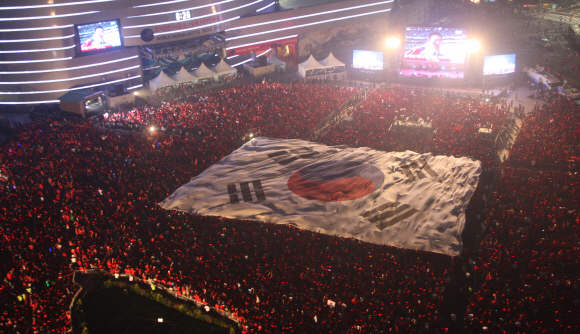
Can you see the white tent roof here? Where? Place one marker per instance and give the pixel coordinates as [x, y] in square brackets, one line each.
[311, 63]
[203, 72]
[274, 60]
[183, 76]
[223, 67]
[331, 61]
[159, 81]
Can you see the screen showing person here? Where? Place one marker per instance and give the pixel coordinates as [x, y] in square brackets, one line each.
[368, 60]
[440, 45]
[99, 35]
[499, 64]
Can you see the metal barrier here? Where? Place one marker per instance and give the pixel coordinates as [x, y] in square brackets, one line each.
[126, 278]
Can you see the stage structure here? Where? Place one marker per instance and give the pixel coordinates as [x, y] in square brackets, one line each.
[412, 123]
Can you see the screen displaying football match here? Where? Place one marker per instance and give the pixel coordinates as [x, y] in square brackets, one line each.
[99, 36]
[435, 44]
[499, 64]
[368, 60]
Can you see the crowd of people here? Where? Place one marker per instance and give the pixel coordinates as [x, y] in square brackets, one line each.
[274, 110]
[77, 195]
[550, 135]
[529, 256]
[455, 121]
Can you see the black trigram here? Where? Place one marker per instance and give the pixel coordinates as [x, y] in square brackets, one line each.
[284, 157]
[246, 192]
[417, 168]
[388, 214]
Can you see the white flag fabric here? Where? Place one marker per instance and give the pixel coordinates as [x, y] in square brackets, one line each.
[402, 199]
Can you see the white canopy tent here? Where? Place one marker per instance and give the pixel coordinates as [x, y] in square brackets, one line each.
[310, 67]
[183, 76]
[162, 80]
[224, 70]
[280, 65]
[203, 72]
[333, 65]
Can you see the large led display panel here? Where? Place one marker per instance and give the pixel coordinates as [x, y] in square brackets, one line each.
[499, 64]
[368, 60]
[435, 45]
[99, 36]
[434, 52]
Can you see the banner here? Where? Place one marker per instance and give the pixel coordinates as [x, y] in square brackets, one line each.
[259, 47]
[402, 199]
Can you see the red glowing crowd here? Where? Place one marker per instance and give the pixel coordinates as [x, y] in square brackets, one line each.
[77, 195]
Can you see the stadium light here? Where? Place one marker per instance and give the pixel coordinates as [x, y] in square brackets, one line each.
[159, 319]
[393, 42]
[152, 129]
[472, 45]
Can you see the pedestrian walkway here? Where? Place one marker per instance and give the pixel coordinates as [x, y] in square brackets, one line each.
[507, 137]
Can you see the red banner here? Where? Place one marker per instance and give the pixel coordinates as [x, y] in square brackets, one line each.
[258, 47]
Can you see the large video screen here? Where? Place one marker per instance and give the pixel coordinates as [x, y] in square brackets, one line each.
[99, 36]
[435, 44]
[499, 64]
[434, 52]
[368, 60]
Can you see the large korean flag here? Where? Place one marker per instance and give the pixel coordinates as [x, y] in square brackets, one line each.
[402, 199]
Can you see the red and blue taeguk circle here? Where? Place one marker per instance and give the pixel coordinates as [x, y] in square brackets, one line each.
[336, 181]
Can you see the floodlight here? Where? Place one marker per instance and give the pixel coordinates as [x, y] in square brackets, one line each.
[472, 45]
[393, 42]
